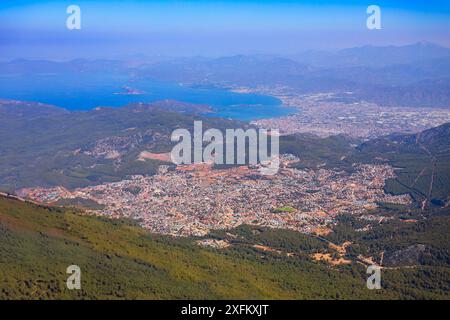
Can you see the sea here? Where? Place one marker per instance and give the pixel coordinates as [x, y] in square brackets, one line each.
[88, 91]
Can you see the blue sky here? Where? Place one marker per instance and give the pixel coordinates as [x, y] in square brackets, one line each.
[36, 29]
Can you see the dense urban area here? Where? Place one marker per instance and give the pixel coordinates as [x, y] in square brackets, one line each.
[192, 200]
[327, 114]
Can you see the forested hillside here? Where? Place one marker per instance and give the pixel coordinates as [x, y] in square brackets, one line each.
[120, 260]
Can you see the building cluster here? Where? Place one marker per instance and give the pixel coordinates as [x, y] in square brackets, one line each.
[327, 114]
[192, 201]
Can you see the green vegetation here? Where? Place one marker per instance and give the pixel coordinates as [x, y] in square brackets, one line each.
[423, 160]
[120, 260]
[284, 209]
[317, 152]
[80, 203]
[49, 146]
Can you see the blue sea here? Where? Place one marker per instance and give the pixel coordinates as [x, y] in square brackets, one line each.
[87, 91]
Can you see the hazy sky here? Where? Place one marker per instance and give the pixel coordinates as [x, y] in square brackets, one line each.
[37, 29]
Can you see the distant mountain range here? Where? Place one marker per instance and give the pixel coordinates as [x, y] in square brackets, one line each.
[412, 75]
[374, 56]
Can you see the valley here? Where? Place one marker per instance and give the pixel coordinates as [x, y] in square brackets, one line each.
[86, 176]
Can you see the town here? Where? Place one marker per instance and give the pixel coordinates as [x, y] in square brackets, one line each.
[192, 200]
[327, 114]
